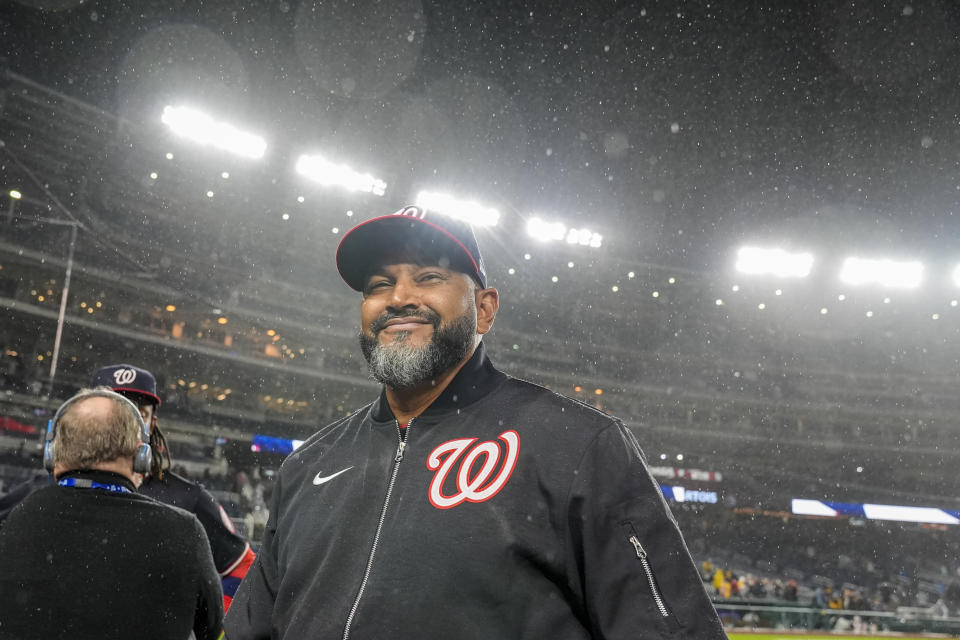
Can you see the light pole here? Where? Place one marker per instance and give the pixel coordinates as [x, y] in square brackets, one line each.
[63, 300]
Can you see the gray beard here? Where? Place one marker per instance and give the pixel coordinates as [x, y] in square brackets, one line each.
[402, 365]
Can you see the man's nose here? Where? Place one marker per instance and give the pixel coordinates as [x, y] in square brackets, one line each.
[404, 295]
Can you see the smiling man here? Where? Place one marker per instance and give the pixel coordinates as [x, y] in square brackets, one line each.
[462, 503]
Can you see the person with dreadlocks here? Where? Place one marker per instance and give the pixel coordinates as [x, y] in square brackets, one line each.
[231, 553]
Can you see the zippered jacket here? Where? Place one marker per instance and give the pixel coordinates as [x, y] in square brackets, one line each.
[504, 511]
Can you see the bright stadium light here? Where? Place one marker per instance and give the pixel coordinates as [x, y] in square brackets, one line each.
[776, 262]
[466, 210]
[204, 130]
[546, 231]
[557, 231]
[585, 238]
[330, 174]
[887, 273]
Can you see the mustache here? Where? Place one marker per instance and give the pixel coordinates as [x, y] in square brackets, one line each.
[380, 323]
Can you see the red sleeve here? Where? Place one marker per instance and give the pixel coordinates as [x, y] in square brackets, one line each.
[235, 575]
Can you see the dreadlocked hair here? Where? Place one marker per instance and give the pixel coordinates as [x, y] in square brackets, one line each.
[160, 453]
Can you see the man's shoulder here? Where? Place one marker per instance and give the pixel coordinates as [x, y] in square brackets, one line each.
[537, 400]
[173, 514]
[331, 430]
[172, 483]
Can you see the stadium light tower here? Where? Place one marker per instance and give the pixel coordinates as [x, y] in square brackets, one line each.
[557, 231]
[466, 210]
[775, 262]
[330, 174]
[884, 272]
[204, 130]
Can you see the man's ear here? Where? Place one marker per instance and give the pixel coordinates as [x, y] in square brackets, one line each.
[488, 303]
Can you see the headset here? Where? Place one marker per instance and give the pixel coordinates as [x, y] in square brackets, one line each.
[143, 456]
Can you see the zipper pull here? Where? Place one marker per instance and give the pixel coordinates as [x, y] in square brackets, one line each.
[400, 449]
[638, 548]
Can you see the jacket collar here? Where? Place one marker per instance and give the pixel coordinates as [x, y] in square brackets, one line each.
[477, 378]
[106, 477]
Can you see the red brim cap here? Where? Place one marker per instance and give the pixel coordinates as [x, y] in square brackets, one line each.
[409, 230]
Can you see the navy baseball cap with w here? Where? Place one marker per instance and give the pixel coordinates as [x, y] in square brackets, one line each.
[411, 229]
[126, 378]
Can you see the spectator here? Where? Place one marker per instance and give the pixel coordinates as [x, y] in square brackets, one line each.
[89, 557]
[231, 553]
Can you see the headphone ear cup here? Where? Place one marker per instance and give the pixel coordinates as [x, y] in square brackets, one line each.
[142, 459]
[48, 456]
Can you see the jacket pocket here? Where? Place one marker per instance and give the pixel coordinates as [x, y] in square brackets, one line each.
[642, 556]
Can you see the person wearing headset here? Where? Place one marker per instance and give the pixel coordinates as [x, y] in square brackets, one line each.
[231, 553]
[88, 557]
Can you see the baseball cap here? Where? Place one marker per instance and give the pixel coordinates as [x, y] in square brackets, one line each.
[126, 377]
[409, 229]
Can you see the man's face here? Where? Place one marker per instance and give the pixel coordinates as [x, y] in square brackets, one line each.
[147, 407]
[417, 322]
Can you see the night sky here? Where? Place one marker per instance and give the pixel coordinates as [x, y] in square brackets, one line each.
[678, 130]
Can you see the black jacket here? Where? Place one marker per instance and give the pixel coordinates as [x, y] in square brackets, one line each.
[94, 563]
[508, 512]
[227, 545]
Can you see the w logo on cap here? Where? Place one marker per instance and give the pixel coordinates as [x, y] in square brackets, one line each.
[413, 212]
[124, 376]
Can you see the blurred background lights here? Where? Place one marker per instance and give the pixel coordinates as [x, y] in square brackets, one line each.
[956, 270]
[16, 195]
[469, 211]
[202, 129]
[776, 262]
[332, 174]
[884, 272]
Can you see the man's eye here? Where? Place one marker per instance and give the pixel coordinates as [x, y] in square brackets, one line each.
[377, 285]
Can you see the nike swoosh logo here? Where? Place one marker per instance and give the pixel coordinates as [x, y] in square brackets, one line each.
[320, 480]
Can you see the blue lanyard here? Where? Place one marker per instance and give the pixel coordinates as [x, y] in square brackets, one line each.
[81, 483]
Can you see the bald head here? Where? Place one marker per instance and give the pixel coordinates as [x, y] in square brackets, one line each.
[95, 430]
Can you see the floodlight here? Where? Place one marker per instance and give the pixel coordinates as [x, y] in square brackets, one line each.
[776, 262]
[544, 231]
[584, 237]
[885, 272]
[466, 210]
[203, 129]
[330, 174]
[557, 231]
[16, 195]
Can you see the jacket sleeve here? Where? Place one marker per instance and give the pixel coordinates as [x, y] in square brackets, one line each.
[634, 571]
[228, 547]
[208, 619]
[250, 616]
